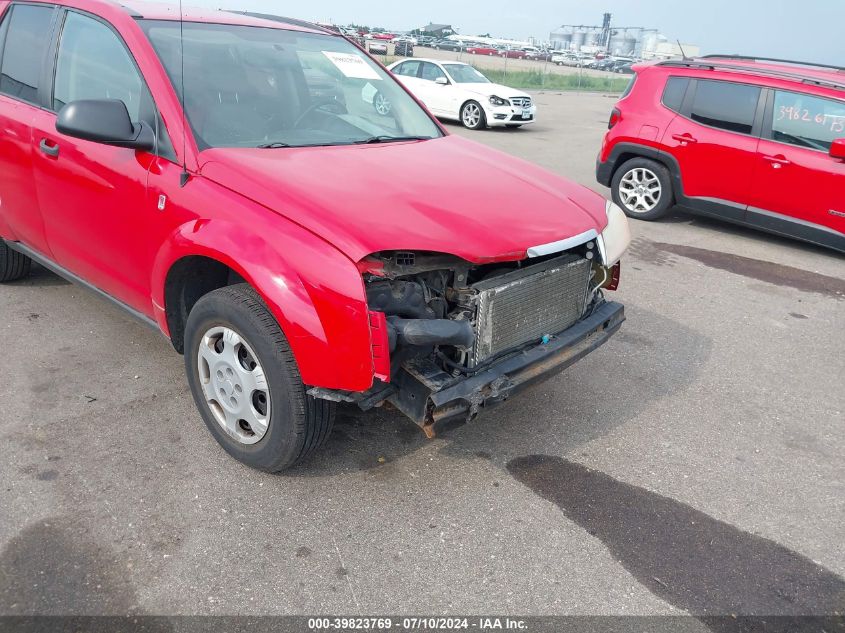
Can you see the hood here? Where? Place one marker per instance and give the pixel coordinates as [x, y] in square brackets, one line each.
[446, 195]
[494, 89]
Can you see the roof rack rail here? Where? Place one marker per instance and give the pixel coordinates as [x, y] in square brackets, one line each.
[755, 58]
[704, 64]
[280, 18]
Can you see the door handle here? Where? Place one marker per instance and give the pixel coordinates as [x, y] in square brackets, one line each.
[49, 150]
[777, 161]
[684, 138]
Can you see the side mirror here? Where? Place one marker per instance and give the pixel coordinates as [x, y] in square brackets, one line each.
[442, 81]
[104, 121]
[837, 149]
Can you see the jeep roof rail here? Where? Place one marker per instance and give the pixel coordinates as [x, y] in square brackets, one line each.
[280, 18]
[755, 58]
[704, 64]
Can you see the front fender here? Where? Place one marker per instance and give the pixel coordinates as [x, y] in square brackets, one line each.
[315, 292]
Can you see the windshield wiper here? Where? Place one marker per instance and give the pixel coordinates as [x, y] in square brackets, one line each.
[391, 139]
[274, 145]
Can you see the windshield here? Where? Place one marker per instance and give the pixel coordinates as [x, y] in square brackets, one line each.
[463, 74]
[264, 87]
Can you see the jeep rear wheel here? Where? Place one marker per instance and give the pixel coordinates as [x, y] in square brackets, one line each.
[13, 265]
[643, 189]
[246, 384]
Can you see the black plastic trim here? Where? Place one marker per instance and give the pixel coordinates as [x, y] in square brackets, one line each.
[464, 398]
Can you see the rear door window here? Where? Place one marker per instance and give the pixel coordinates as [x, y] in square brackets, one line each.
[673, 94]
[27, 36]
[725, 105]
[807, 121]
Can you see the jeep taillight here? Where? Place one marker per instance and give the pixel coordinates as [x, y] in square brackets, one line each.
[615, 117]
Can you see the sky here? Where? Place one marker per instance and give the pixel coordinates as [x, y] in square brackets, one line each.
[805, 30]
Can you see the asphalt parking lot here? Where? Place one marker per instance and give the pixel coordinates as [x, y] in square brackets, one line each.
[692, 465]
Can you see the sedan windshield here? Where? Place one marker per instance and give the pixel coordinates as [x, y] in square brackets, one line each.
[463, 74]
[265, 87]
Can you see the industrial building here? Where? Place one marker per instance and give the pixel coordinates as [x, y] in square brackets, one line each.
[622, 41]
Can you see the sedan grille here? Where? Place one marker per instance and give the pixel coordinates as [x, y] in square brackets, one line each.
[525, 305]
[521, 102]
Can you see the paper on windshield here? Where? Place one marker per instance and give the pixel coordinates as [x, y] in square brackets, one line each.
[352, 65]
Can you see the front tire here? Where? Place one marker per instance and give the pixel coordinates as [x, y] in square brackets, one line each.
[13, 265]
[246, 383]
[472, 116]
[643, 189]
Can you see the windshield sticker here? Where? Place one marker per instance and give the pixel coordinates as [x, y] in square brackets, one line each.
[351, 65]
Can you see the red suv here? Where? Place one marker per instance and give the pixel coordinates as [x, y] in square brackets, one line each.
[226, 180]
[756, 142]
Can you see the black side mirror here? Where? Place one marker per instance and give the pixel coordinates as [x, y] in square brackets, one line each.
[104, 121]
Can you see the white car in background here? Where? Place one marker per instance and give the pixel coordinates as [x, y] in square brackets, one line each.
[457, 91]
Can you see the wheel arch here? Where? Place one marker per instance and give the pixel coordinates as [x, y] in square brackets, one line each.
[320, 306]
[624, 152]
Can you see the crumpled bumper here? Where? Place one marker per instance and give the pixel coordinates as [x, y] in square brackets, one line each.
[436, 400]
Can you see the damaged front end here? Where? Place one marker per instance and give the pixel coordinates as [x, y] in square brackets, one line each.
[451, 337]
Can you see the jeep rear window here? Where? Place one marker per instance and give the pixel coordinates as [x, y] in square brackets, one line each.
[253, 86]
[725, 105]
[673, 94]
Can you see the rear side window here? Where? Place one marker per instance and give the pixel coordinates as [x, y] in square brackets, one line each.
[725, 105]
[27, 35]
[630, 87]
[673, 94]
[807, 121]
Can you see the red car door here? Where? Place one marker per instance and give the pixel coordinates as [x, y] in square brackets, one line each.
[94, 198]
[715, 144]
[20, 78]
[798, 187]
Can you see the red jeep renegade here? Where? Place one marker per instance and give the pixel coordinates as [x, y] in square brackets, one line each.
[756, 142]
[227, 180]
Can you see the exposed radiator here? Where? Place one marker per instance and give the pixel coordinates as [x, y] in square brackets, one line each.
[527, 304]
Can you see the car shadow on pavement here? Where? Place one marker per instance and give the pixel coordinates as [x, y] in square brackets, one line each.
[566, 412]
[687, 558]
[57, 567]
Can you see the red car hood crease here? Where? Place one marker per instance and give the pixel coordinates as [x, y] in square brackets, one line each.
[447, 195]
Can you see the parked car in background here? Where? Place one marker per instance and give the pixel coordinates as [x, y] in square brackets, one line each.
[459, 92]
[483, 50]
[403, 48]
[512, 53]
[625, 68]
[755, 142]
[450, 45]
[377, 47]
[296, 255]
[566, 59]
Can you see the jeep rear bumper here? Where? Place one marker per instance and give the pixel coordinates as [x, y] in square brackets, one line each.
[436, 400]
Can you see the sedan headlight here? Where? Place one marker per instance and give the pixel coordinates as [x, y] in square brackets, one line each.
[614, 240]
[498, 101]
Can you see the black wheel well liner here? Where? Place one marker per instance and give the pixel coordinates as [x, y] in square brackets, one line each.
[188, 280]
[624, 152]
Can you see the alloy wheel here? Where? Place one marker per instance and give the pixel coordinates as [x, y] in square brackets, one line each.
[234, 385]
[382, 104]
[640, 190]
[471, 115]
